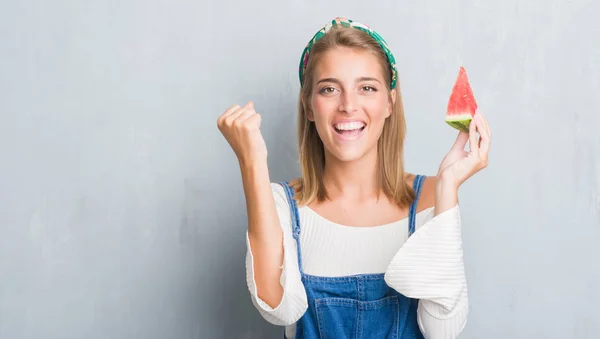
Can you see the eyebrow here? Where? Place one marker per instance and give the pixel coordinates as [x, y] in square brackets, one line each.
[361, 79]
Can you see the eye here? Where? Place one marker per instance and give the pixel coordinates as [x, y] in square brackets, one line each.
[327, 90]
[368, 88]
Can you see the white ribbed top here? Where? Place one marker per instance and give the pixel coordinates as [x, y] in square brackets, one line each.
[428, 266]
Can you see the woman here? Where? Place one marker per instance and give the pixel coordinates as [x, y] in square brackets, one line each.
[356, 247]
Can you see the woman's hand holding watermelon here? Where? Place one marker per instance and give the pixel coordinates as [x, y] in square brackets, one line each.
[462, 113]
[459, 165]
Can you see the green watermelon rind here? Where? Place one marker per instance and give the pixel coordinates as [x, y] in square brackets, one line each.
[462, 125]
[460, 121]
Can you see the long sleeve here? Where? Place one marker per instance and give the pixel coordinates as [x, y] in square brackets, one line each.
[429, 267]
[294, 302]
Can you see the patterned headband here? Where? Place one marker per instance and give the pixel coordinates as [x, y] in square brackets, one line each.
[348, 23]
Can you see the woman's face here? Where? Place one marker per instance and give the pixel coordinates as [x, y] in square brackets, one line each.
[349, 102]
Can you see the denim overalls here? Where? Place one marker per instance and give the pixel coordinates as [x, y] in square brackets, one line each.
[358, 306]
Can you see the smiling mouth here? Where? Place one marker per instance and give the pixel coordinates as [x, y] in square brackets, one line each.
[349, 131]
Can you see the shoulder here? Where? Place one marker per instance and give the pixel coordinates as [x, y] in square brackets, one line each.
[427, 196]
[279, 193]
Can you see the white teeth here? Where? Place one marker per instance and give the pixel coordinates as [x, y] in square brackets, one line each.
[349, 126]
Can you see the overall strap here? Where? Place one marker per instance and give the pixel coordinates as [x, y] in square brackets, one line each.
[289, 192]
[412, 212]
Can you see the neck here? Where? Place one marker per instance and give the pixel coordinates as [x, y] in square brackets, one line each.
[354, 179]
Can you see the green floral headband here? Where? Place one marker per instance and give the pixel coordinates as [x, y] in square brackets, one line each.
[349, 23]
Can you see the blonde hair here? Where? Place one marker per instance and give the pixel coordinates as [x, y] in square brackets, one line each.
[390, 146]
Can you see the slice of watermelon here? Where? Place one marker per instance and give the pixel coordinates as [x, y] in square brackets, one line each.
[462, 105]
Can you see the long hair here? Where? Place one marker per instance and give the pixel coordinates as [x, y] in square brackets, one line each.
[390, 146]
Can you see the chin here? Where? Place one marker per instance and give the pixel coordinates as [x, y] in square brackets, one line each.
[348, 155]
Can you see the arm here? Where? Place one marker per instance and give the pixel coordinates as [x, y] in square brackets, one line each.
[265, 236]
[278, 293]
[430, 266]
[293, 302]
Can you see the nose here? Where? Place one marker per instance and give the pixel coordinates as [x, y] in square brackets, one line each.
[348, 102]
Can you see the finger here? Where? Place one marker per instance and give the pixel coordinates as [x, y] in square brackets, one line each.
[461, 141]
[225, 114]
[473, 146]
[480, 124]
[250, 112]
[484, 148]
[231, 118]
[244, 116]
[485, 139]
[230, 110]
[254, 119]
[484, 126]
[483, 121]
[487, 127]
[485, 133]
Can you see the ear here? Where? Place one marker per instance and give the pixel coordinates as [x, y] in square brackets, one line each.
[393, 97]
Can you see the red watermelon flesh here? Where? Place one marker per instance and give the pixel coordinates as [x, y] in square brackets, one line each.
[462, 105]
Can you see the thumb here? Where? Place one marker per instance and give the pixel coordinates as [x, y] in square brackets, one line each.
[461, 141]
